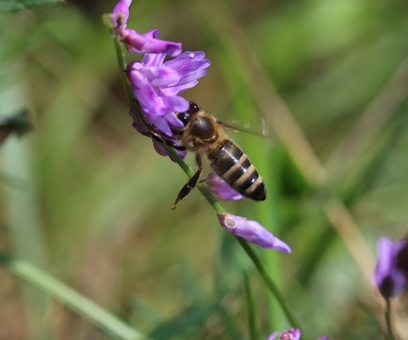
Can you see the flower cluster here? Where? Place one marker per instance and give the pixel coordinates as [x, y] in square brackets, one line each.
[291, 334]
[157, 83]
[391, 272]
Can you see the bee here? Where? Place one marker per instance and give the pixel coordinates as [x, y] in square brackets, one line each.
[205, 135]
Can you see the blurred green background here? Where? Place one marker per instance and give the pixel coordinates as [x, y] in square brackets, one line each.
[86, 198]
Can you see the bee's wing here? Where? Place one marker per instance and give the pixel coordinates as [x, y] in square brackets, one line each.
[262, 131]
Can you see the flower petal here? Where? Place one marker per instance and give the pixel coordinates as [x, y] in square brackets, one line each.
[273, 335]
[146, 43]
[252, 231]
[291, 334]
[153, 59]
[220, 189]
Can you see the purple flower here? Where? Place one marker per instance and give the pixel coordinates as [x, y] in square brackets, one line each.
[156, 84]
[220, 189]
[252, 231]
[392, 266]
[291, 334]
[136, 42]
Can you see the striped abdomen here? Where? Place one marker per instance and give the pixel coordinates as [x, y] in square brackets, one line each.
[234, 167]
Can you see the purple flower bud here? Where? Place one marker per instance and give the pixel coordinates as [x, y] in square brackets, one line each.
[252, 231]
[120, 14]
[220, 189]
[391, 270]
[136, 42]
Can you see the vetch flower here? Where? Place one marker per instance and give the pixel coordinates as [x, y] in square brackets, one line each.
[391, 271]
[156, 84]
[252, 231]
[220, 189]
[136, 42]
[291, 334]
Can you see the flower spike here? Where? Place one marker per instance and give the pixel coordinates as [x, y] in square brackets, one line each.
[155, 82]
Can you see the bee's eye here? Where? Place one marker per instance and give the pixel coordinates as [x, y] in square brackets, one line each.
[184, 117]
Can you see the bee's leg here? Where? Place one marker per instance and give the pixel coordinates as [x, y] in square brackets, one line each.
[167, 142]
[190, 184]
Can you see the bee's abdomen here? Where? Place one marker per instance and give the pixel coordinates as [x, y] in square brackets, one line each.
[234, 167]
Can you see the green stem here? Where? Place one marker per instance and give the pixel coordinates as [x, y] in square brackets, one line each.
[252, 320]
[390, 333]
[269, 282]
[67, 296]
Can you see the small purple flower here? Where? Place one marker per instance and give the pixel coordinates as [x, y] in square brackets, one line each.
[252, 231]
[392, 266]
[136, 42]
[220, 189]
[291, 334]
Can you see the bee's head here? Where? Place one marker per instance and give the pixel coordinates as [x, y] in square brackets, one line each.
[185, 116]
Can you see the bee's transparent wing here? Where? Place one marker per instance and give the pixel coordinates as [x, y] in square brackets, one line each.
[261, 129]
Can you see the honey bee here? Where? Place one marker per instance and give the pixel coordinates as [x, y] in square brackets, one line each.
[205, 135]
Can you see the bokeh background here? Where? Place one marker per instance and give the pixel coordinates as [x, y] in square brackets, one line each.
[86, 198]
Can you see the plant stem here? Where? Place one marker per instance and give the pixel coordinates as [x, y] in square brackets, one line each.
[269, 282]
[252, 320]
[390, 334]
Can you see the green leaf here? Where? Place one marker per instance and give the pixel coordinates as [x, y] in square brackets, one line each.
[12, 6]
